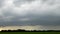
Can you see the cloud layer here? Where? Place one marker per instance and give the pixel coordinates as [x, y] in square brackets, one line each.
[36, 27]
[30, 12]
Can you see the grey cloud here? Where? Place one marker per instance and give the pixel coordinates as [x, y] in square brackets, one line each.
[19, 2]
[41, 12]
[40, 20]
[1, 3]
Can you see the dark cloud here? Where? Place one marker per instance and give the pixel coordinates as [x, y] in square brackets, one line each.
[38, 20]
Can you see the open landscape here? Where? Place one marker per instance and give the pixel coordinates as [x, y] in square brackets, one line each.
[29, 16]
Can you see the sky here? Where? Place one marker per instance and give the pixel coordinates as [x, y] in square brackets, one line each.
[45, 13]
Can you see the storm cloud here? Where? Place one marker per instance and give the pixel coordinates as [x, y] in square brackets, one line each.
[30, 12]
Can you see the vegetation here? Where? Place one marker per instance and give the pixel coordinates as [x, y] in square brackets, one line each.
[29, 32]
[19, 31]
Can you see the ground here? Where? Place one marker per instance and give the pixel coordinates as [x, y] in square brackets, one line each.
[29, 32]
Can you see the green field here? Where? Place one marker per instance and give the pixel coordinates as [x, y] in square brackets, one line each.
[29, 32]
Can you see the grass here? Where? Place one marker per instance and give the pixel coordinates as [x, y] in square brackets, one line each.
[29, 32]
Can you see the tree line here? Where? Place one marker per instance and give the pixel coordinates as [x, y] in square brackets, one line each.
[22, 30]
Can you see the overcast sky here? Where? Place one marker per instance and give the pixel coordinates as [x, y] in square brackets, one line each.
[30, 12]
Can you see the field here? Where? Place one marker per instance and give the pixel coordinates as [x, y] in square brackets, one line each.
[29, 32]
